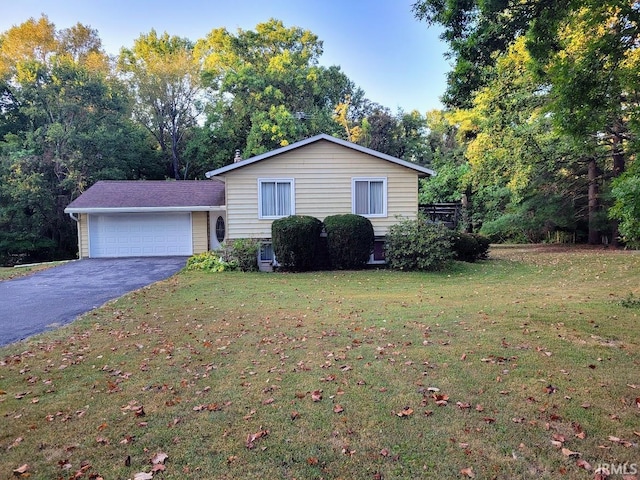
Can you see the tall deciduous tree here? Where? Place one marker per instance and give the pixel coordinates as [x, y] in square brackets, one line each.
[164, 77]
[270, 86]
[584, 53]
[65, 125]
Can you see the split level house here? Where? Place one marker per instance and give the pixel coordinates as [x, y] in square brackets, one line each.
[318, 176]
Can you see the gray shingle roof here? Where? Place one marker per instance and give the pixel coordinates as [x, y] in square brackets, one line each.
[148, 194]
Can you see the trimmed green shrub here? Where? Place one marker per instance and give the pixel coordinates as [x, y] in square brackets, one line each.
[349, 240]
[418, 245]
[465, 247]
[483, 246]
[211, 262]
[295, 241]
[469, 247]
[242, 252]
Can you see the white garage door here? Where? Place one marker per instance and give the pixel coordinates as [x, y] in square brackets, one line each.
[140, 235]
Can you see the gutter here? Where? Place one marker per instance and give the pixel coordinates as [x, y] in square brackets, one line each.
[194, 208]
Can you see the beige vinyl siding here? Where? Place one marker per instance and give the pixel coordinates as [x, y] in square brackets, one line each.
[323, 172]
[199, 231]
[83, 235]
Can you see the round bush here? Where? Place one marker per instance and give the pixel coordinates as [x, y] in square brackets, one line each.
[469, 247]
[295, 241]
[465, 247]
[483, 245]
[418, 245]
[349, 240]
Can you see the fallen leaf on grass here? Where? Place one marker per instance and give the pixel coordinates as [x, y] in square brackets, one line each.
[407, 411]
[143, 476]
[22, 470]
[159, 458]
[583, 464]
[338, 408]
[346, 450]
[569, 453]
[252, 438]
[316, 395]
[83, 469]
[15, 443]
[559, 438]
[312, 461]
[467, 472]
[624, 443]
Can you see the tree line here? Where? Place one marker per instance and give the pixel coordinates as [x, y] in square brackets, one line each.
[542, 117]
[166, 107]
[538, 136]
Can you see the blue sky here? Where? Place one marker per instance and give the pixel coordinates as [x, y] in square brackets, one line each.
[397, 60]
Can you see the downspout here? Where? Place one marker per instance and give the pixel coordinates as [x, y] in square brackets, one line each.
[77, 220]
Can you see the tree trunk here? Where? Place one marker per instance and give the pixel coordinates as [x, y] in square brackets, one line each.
[594, 236]
[618, 169]
[175, 156]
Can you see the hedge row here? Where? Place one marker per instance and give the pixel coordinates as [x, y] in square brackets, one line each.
[347, 243]
[298, 245]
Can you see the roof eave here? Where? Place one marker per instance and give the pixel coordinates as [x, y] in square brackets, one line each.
[94, 210]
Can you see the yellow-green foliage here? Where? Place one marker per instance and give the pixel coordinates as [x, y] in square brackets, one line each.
[209, 261]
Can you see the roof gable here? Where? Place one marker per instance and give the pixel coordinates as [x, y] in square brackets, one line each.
[423, 171]
[143, 195]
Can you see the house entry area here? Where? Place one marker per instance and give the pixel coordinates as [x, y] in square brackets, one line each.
[140, 234]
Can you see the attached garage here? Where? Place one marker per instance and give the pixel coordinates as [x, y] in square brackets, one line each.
[147, 218]
[140, 234]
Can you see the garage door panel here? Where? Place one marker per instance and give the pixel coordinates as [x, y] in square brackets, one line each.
[140, 234]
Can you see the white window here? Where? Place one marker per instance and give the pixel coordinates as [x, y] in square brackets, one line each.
[369, 196]
[276, 197]
[266, 253]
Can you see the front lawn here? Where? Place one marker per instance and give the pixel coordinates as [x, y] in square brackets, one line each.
[525, 365]
[7, 273]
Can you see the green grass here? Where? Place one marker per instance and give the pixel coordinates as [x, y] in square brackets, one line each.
[7, 273]
[535, 342]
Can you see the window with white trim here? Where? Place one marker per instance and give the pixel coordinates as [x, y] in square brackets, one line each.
[369, 196]
[276, 197]
[266, 252]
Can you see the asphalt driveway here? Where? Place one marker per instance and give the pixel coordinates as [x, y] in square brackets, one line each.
[58, 295]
